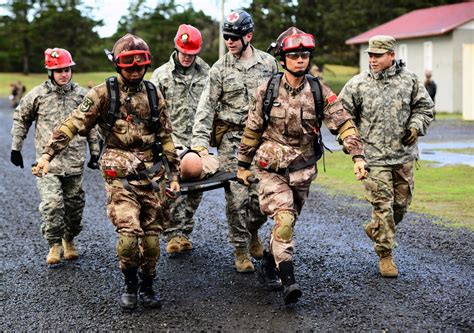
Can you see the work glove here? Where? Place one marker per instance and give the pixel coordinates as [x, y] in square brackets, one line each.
[93, 162]
[361, 169]
[243, 176]
[410, 136]
[174, 189]
[41, 168]
[16, 158]
[201, 150]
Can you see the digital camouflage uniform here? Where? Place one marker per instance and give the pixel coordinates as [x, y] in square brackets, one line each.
[287, 141]
[181, 91]
[132, 205]
[62, 197]
[228, 92]
[383, 106]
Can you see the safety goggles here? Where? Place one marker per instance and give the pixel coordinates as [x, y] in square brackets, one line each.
[231, 37]
[297, 41]
[133, 58]
[296, 55]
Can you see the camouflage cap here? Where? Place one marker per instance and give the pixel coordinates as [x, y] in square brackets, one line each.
[381, 44]
[129, 42]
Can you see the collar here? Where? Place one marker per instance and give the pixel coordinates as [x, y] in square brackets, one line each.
[293, 91]
[63, 89]
[393, 70]
[252, 61]
[174, 66]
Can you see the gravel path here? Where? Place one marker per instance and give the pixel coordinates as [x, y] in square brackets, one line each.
[336, 268]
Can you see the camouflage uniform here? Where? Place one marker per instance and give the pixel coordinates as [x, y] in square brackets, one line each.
[287, 141]
[62, 197]
[228, 92]
[181, 91]
[383, 105]
[132, 205]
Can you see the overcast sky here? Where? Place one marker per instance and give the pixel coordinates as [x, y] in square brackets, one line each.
[111, 10]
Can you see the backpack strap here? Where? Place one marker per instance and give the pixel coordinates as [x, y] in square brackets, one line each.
[114, 100]
[270, 95]
[318, 97]
[153, 102]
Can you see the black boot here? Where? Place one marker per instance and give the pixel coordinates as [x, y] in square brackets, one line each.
[149, 298]
[291, 291]
[128, 300]
[267, 273]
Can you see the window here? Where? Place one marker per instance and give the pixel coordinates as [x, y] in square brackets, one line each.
[403, 52]
[428, 55]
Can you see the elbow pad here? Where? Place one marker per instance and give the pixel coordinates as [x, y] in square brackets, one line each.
[346, 129]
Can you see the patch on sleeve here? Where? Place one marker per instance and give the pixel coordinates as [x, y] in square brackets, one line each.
[331, 99]
[86, 104]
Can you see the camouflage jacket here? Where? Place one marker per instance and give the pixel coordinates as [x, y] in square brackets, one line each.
[292, 127]
[130, 141]
[182, 95]
[229, 90]
[48, 105]
[383, 105]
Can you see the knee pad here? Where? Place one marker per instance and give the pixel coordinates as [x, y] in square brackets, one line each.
[151, 246]
[127, 246]
[283, 229]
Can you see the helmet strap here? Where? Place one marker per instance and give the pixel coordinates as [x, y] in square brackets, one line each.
[298, 73]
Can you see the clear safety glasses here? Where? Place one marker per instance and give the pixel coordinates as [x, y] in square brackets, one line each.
[133, 58]
[296, 55]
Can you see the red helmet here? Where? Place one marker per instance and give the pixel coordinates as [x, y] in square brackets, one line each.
[188, 39]
[57, 58]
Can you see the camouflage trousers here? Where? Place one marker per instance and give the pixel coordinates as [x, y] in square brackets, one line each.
[182, 211]
[389, 189]
[243, 212]
[279, 193]
[137, 215]
[61, 206]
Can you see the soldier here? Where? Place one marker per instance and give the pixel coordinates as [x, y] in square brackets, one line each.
[391, 109]
[226, 98]
[181, 80]
[131, 114]
[285, 141]
[62, 197]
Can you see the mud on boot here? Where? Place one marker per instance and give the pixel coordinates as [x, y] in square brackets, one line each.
[149, 298]
[128, 300]
[267, 273]
[291, 291]
[243, 263]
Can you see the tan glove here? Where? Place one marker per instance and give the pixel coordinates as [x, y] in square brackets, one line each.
[201, 150]
[410, 136]
[360, 168]
[243, 176]
[174, 186]
[42, 167]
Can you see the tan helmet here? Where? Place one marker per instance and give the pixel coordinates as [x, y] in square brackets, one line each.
[190, 166]
[131, 50]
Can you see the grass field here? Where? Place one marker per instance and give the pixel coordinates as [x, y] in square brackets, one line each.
[336, 76]
[444, 192]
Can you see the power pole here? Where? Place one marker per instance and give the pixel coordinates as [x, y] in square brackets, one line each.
[221, 40]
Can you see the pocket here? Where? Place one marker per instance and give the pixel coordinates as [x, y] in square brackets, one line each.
[234, 96]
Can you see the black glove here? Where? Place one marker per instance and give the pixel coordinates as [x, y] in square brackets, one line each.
[16, 158]
[410, 136]
[93, 162]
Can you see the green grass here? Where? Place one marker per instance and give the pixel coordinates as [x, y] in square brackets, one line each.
[33, 80]
[445, 192]
[336, 76]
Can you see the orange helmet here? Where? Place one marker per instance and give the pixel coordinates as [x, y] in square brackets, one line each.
[188, 39]
[57, 58]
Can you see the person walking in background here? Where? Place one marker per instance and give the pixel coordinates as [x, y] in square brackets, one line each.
[62, 196]
[391, 109]
[181, 81]
[226, 101]
[430, 85]
[283, 135]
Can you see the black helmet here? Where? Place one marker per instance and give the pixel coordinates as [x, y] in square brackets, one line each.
[238, 23]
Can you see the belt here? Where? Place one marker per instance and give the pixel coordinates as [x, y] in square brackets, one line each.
[295, 167]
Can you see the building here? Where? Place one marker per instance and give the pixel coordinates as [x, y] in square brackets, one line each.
[440, 39]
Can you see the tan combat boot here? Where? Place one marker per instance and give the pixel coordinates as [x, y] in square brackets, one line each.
[185, 244]
[243, 263]
[256, 247]
[70, 251]
[387, 266]
[174, 245]
[54, 255]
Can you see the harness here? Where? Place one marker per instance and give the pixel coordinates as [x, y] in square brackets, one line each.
[113, 114]
[272, 93]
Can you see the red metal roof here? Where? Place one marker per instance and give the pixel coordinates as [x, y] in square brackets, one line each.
[422, 22]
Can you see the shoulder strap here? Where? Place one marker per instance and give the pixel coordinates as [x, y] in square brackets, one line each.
[153, 101]
[270, 95]
[318, 97]
[114, 99]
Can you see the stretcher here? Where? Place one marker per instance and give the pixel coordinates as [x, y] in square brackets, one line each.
[217, 180]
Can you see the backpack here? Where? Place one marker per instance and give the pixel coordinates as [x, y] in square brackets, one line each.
[272, 93]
